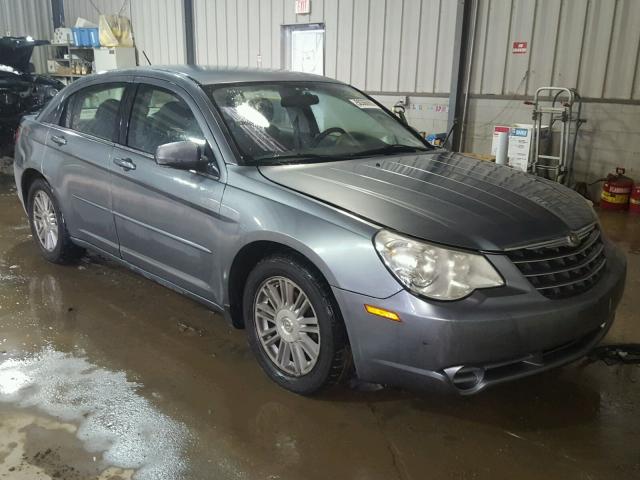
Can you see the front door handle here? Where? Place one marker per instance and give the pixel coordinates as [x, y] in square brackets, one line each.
[59, 139]
[125, 163]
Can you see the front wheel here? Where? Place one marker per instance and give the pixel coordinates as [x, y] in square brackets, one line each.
[294, 327]
[47, 225]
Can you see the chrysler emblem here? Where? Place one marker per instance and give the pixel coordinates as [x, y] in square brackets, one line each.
[573, 240]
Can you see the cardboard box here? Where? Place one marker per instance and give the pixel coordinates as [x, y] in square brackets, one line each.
[114, 58]
[522, 144]
[521, 147]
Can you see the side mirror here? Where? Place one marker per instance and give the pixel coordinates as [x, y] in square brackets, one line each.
[181, 155]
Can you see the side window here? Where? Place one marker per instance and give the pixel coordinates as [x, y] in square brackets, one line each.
[94, 110]
[158, 117]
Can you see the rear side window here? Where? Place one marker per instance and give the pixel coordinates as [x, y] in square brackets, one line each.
[158, 117]
[94, 110]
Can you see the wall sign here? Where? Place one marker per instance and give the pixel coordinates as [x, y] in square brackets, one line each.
[519, 48]
[303, 7]
[307, 50]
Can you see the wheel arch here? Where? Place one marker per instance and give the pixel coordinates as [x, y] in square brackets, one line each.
[26, 180]
[248, 257]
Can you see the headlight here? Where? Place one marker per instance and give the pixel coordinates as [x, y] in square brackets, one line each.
[8, 98]
[433, 271]
[49, 92]
[44, 93]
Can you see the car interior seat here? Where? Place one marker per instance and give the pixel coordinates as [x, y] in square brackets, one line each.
[104, 122]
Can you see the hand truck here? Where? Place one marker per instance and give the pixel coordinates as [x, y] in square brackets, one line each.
[566, 107]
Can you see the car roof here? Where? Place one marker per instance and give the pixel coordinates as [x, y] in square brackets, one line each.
[207, 75]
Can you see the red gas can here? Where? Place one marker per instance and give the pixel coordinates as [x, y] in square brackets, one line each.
[616, 191]
[634, 201]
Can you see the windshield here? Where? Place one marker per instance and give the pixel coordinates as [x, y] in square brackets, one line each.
[298, 121]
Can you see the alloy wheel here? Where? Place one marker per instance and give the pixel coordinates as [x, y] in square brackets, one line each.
[287, 326]
[45, 221]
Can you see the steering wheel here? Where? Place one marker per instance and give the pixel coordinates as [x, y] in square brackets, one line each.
[326, 133]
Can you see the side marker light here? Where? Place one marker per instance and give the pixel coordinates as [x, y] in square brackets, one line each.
[381, 312]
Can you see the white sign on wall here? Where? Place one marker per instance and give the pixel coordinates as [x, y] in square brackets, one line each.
[303, 7]
[307, 51]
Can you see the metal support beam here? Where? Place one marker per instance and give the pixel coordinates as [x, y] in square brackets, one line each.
[57, 12]
[189, 32]
[464, 20]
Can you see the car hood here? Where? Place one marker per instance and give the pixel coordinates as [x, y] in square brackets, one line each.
[15, 52]
[443, 197]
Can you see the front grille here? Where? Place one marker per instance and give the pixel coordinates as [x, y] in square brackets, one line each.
[557, 270]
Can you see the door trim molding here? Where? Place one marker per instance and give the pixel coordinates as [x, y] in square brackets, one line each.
[197, 246]
[149, 275]
[93, 204]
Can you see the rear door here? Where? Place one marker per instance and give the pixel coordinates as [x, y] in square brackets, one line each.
[167, 219]
[77, 162]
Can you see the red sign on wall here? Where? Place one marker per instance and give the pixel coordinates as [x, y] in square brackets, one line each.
[303, 7]
[519, 48]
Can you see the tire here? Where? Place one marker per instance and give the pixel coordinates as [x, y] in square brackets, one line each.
[59, 250]
[283, 272]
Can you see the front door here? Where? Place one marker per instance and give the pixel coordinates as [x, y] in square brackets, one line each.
[79, 153]
[166, 218]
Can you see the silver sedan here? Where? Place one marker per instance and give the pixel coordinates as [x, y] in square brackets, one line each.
[315, 219]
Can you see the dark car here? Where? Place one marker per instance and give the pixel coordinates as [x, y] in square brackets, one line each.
[310, 215]
[21, 91]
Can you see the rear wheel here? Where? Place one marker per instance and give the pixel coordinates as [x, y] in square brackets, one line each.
[47, 225]
[294, 327]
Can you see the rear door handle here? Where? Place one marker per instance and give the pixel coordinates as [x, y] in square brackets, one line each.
[59, 139]
[125, 163]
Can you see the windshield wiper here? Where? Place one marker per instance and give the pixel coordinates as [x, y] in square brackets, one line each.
[281, 159]
[390, 149]
[386, 150]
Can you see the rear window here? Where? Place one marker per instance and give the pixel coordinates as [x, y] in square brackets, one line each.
[94, 110]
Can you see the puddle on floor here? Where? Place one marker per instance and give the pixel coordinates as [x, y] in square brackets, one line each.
[89, 422]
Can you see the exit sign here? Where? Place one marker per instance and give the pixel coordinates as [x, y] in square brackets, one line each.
[519, 48]
[303, 7]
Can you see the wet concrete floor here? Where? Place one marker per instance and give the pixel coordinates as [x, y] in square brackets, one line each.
[106, 375]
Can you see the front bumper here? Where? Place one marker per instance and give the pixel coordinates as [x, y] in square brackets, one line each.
[492, 336]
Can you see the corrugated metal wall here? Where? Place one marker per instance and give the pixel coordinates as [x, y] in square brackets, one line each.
[158, 25]
[402, 46]
[591, 45]
[91, 10]
[158, 29]
[28, 17]
[406, 46]
[377, 45]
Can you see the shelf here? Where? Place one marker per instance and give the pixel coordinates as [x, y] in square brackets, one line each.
[73, 75]
[69, 46]
[75, 54]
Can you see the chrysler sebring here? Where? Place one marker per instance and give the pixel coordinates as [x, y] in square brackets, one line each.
[311, 216]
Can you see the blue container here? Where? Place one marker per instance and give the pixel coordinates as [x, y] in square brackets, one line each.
[94, 37]
[86, 37]
[76, 37]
